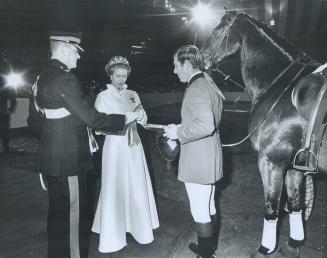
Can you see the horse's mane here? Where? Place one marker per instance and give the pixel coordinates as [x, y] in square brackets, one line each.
[284, 45]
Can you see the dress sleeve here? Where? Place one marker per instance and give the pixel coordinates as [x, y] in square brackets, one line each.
[100, 103]
[140, 108]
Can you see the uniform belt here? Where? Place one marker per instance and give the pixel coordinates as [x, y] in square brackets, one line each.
[320, 68]
[56, 113]
[63, 112]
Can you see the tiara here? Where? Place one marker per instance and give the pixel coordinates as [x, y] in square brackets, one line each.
[118, 60]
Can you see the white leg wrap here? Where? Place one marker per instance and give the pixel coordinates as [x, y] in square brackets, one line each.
[269, 234]
[296, 226]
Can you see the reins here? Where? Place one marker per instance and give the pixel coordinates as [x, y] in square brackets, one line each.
[226, 34]
[276, 79]
[274, 104]
[228, 77]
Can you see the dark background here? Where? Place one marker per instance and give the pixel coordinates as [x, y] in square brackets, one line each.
[145, 31]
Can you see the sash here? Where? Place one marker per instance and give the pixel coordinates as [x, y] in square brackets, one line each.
[320, 68]
[132, 135]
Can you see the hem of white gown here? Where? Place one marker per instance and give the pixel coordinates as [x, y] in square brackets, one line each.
[119, 247]
[101, 250]
[95, 230]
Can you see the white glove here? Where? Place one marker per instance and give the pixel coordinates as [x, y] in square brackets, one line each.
[142, 117]
[130, 117]
[171, 131]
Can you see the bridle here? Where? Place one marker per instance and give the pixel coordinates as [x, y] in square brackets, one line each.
[225, 34]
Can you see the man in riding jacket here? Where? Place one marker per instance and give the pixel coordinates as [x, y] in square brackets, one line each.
[200, 162]
[65, 144]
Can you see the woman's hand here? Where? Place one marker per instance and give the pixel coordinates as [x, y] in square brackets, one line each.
[142, 117]
[130, 117]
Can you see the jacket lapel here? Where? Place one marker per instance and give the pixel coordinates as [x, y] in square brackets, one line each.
[198, 75]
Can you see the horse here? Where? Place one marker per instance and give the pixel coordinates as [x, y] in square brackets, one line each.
[283, 90]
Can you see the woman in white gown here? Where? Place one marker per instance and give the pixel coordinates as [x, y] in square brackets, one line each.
[126, 202]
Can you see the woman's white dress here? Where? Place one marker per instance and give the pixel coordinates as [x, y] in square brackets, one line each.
[126, 202]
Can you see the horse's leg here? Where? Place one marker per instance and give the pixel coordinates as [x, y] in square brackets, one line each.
[272, 179]
[294, 181]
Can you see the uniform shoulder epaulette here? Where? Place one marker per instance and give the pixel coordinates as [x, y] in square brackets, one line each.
[64, 69]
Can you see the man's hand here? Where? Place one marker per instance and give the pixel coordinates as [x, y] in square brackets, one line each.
[171, 131]
[130, 117]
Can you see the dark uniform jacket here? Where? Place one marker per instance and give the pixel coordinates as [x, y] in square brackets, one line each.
[64, 144]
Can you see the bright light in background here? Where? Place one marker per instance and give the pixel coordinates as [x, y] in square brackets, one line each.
[14, 80]
[202, 14]
[184, 19]
[272, 22]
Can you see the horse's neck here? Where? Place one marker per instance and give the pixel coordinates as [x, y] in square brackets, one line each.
[261, 62]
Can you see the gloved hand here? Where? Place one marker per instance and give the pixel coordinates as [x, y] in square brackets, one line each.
[130, 117]
[171, 131]
[142, 117]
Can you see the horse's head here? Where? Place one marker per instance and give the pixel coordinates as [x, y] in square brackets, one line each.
[223, 42]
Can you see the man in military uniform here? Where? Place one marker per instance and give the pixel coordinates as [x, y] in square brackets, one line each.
[64, 151]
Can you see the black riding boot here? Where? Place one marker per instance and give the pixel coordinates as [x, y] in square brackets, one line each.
[204, 248]
[215, 228]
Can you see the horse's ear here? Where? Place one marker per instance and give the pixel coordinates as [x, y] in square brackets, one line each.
[227, 6]
[229, 10]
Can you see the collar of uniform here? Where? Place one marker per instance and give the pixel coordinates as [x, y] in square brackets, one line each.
[57, 63]
[194, 77]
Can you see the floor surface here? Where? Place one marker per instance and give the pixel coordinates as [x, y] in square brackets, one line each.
[23, 203]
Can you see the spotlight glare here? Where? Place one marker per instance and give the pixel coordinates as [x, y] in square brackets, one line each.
[14, 80]
[202, 14]
[272, 22]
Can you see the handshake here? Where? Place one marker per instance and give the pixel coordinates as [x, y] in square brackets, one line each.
[138, 116]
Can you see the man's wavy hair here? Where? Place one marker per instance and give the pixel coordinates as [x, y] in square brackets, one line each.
[192, 54]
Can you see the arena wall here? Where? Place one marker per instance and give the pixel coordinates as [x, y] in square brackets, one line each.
[18, 119]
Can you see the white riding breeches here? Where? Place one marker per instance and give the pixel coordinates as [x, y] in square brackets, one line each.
[202, 201]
